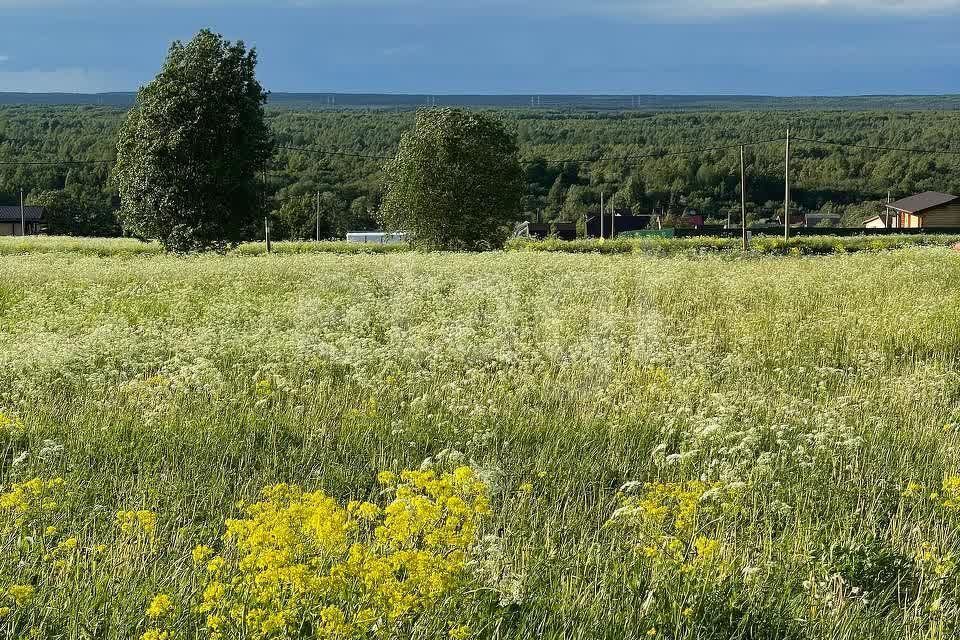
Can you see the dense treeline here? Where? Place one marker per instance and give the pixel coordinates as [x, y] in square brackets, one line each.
[850, 181]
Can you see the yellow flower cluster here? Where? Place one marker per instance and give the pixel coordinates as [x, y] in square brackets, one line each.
[10, 423]
[948, 498]
[300, 560]
[21, 593]
[138, 523]
[31, 498]
[931, 559]
[951, 493]
[670, 519]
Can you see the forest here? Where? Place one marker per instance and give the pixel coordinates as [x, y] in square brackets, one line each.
[61, 156]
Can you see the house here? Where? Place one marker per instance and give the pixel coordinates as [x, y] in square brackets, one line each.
[925, 210]
[10, 220]
[888, 220]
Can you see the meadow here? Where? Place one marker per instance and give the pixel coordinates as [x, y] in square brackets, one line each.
[504, 445]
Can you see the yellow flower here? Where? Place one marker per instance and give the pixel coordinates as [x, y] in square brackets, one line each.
[156, 634]
[21, 593]
[50, 531]
[300, 558]
[386, 477]
[201, 553]
[160, 606]
[459, 633]
[913, 489]
[951, 493]
[4, 612]
[526, 487]
[133, 523]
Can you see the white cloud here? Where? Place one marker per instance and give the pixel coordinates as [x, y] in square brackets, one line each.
[4, 59]
[57, 80]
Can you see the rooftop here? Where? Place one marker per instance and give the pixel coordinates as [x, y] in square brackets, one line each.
[12, 214]
[923, 201]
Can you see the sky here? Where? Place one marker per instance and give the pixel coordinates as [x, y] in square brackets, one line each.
[760, 47]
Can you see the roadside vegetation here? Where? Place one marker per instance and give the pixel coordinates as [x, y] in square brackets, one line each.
[496, 445]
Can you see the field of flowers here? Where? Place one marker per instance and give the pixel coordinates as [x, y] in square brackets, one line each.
[503, 445]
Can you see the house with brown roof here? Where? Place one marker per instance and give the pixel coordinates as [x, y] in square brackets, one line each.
[924, 210]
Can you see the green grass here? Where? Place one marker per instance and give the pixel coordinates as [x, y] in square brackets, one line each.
[120, 247]
[810, 391]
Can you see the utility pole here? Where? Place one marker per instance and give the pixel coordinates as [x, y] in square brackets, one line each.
[601, 215]
[743, 199]
[887, 223]
[613, 223]
[266, 232]
[318, 216]
[786, 199]
[23, 217]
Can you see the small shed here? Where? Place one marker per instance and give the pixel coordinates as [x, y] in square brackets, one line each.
[926, 210]
[35, 219]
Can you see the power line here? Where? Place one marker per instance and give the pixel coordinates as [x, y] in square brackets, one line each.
[54, 163]
[328, 152]
[657, 154]
[833, 143]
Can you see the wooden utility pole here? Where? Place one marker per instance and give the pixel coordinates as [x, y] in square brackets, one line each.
[786, 198]
[318, 216]
[23, 217]
[743, 200]
[266, 233]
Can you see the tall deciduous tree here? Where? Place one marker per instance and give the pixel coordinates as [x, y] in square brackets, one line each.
[456, 182]
[190, 151]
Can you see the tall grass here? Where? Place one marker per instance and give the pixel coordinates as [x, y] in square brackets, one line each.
[810, 397]
[120, 247]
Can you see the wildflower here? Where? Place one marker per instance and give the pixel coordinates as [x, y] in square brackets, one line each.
[4, 612]
[160, 606]
[526, 487]
[156, 634]
[706, 547]
[31, 498]
[134, 523]
[50, 531]
[951, 493]
[296, 557]
[10, 423]
[459, 633]
[69, 544]
[21, 594]
[913, 490]
[201, 553]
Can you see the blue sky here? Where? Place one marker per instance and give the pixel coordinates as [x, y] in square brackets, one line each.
[772, 47]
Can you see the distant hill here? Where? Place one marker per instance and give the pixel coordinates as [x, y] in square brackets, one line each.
[543, 101]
